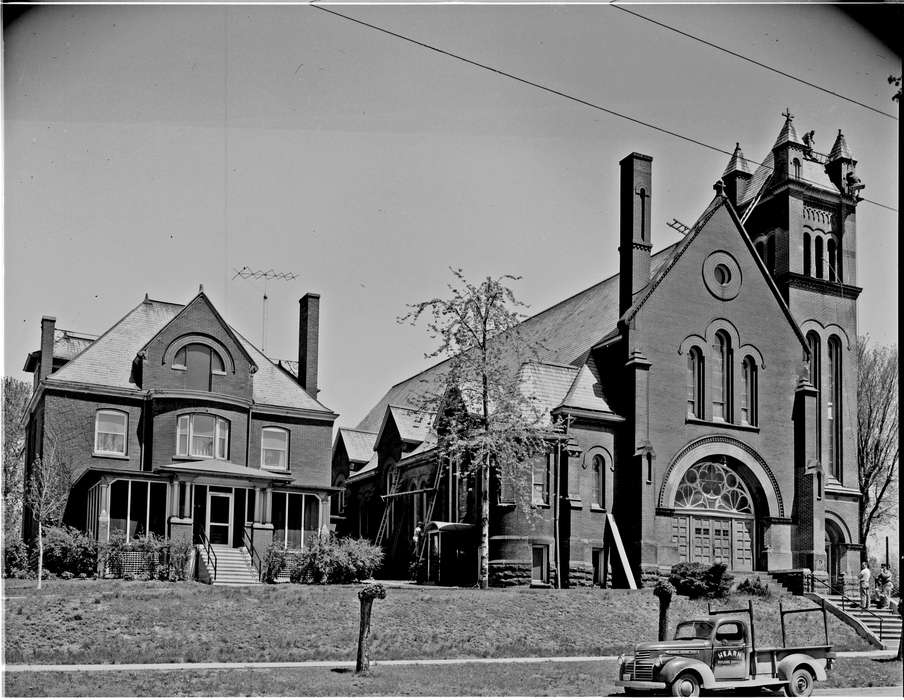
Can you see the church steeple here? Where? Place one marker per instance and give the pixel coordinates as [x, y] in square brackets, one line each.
[788, 134]
[840, 168]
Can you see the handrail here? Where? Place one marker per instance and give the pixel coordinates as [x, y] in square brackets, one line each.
[248, 541]
[208, 550]
[840, 591]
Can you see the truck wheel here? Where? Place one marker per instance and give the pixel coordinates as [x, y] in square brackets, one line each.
[800, 685]
[685, 685]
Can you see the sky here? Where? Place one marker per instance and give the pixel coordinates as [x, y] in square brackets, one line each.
[153, 149]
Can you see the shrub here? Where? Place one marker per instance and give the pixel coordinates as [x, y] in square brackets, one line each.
[180, 557]
[273, 561]
[755, 587]
[15, 558]
[327, 559]
[700, 581]
[68, 549]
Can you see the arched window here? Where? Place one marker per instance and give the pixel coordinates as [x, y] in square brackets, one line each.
[337, 504]
[833, 276]
[202, 435]
[721, 392]
[819, 257]
[815, 379]
[695, 383]
[807, 254]
[833, 406]
[749, 392]
[598, 499]
[770, 254]
[275, 448]
[713, 486]
[796, 164]
[110, 430]
[199, 362]
[761, 250]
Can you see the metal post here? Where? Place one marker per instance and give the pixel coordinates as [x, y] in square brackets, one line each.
[825, 621]
[781, 615]
[753, 640]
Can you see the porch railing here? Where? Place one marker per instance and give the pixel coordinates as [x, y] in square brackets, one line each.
[248, 541]
[208, 550]
[847, 603]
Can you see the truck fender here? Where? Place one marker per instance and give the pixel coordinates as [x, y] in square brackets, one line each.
[787, 665]
[672, 668]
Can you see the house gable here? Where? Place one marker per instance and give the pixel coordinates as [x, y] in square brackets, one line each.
[214, 354]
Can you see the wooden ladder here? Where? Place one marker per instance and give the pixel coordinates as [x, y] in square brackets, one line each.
[428, 516]
[384, 521]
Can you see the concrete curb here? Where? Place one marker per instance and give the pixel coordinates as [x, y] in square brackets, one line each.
[225, 665]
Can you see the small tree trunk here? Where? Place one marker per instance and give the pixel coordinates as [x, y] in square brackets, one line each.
[362, 665]
[485, 526]
[40, 553]
[664, 618]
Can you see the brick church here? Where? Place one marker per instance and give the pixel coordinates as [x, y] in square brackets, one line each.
[709, 394]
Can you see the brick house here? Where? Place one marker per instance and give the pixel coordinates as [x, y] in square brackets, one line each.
[174, 424]
[709, 391]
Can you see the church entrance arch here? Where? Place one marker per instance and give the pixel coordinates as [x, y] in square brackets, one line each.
[835, 550]
[714, 516]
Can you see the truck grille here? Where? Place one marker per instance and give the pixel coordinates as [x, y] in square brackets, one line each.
[643, 666]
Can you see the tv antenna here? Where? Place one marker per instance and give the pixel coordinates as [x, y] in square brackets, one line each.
[246, 273]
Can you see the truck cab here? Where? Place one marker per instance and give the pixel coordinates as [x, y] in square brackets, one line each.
[720, 652]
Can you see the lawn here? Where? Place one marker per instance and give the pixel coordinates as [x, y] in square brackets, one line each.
[123, 622]
[579, 678]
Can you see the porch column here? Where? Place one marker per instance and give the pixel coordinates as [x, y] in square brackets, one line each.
[103, 519]
[181, 523]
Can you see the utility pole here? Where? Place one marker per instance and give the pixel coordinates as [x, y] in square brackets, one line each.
[266, 275]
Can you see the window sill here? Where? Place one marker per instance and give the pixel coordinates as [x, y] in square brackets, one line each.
[576, 503]
[275, 470]
[597, 509]
[192, 458]
[107, 455]
[539, 505]
[722, 424]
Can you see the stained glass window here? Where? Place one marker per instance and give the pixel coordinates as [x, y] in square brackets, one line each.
[713, 486]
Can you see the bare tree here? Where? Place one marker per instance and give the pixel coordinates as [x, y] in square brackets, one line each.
[46, 495]
[15, 397]
[488, 423]
[877, 434]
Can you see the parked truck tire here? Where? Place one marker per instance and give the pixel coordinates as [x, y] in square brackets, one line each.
[686, 685]
[800, 684]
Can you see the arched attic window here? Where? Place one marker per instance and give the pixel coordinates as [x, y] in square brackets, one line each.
[749, 391]
[796, 168]
[807, 254]
[813, 345]
[833, 406]
[833, 276]
[199, 362]
[819, 258]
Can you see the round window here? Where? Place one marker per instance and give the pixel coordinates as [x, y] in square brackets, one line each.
[722, 275]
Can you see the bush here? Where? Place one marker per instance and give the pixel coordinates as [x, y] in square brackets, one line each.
[273, 562]
[755, 587]
[180, 558]
[159, 558]
[700, 581]
[68, 549]
[327, 559]
[15, 558]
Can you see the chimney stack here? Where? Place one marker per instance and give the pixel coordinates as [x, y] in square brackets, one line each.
[635, 242]
[308, 339]
[48, 324]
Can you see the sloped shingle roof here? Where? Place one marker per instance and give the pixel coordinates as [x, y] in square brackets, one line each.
[108, 360]
[359, 445]
[585, 392]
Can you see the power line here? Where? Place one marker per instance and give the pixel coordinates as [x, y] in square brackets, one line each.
[753, 61]
[556, 92]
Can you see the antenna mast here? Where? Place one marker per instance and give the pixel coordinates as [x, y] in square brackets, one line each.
[247, 273]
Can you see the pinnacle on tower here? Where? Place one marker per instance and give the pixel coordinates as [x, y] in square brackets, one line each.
[840, 149]
[788, 134]
[737, 163]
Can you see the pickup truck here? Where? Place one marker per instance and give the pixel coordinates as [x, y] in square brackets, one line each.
[719, 652]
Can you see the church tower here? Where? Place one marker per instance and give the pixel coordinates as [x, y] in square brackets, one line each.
[799, 209]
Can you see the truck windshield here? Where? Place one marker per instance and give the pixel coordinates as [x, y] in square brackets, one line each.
[694, 630]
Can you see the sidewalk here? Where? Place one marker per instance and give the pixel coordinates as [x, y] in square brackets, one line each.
[345, 663]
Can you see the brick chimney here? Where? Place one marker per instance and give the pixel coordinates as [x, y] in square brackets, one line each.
[635, 242]
[48, 324]
[308, 339]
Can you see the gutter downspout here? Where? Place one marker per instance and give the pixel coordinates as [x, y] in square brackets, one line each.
[555, 515]
[248, 438]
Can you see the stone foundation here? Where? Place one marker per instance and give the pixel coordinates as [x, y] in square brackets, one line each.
[580, 574]
[509, 573]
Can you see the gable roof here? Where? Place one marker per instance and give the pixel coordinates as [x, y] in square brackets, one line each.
[718, 202]
[359, 444]
[585, 392]
[107, 361]
[411, 423]
[561, 334]
[66, 345]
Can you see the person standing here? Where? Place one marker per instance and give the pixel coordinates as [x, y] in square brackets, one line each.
[865, 577]
[883, 586]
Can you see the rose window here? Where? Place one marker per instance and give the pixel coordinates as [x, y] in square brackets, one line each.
[712, 486]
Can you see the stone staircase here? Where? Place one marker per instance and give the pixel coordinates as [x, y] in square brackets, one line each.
[234, 567]
[775, 584]
[884, 625]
